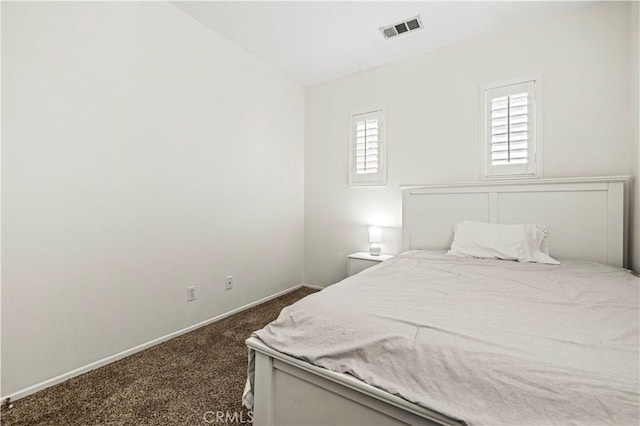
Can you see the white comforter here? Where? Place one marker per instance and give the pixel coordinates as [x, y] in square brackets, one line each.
[483, 341]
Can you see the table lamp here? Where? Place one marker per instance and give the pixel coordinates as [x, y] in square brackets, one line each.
[375, 238]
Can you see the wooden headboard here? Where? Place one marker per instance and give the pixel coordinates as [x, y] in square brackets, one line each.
[586, 217]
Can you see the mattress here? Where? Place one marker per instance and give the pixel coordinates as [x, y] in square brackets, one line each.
[481, 341]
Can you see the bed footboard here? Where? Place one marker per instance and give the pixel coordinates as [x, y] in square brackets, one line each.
[288, 391]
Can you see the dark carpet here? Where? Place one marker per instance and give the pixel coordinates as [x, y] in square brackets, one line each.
[183, 381]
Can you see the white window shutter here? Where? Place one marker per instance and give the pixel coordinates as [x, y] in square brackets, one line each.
[510, 135]
[367, 150]
[367, 158]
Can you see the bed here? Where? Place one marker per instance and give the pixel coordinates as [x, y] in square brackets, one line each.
[430, 339]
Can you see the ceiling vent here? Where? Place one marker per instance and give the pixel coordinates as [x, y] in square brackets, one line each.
[404, 27]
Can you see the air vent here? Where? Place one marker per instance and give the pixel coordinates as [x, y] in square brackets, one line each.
[404, 27]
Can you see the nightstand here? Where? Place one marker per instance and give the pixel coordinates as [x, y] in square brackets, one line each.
[363, 260]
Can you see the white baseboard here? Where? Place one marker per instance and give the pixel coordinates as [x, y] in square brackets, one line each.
[315, 287]
[104, 361]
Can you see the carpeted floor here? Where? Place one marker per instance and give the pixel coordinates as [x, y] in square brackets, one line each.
[174, 383]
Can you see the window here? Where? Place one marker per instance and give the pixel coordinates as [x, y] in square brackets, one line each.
[367, 148]
[511, 142]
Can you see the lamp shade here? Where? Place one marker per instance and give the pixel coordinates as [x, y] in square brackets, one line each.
[375, 234]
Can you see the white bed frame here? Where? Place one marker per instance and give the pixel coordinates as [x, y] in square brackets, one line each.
[586, 218]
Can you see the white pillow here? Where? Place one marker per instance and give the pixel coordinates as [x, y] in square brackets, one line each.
[524, 242]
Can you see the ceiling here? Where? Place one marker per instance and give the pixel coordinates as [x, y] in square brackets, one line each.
[315, 41]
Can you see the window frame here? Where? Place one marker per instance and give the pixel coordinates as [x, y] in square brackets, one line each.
[535, 145]
[369, 179]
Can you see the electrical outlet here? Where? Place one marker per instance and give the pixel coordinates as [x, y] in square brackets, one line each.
[191, 293]
[229, 285]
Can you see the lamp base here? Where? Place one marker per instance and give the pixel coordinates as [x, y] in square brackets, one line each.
[374, 249]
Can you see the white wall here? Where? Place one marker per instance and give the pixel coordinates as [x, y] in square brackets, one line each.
[142, 153]
[433, 123]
